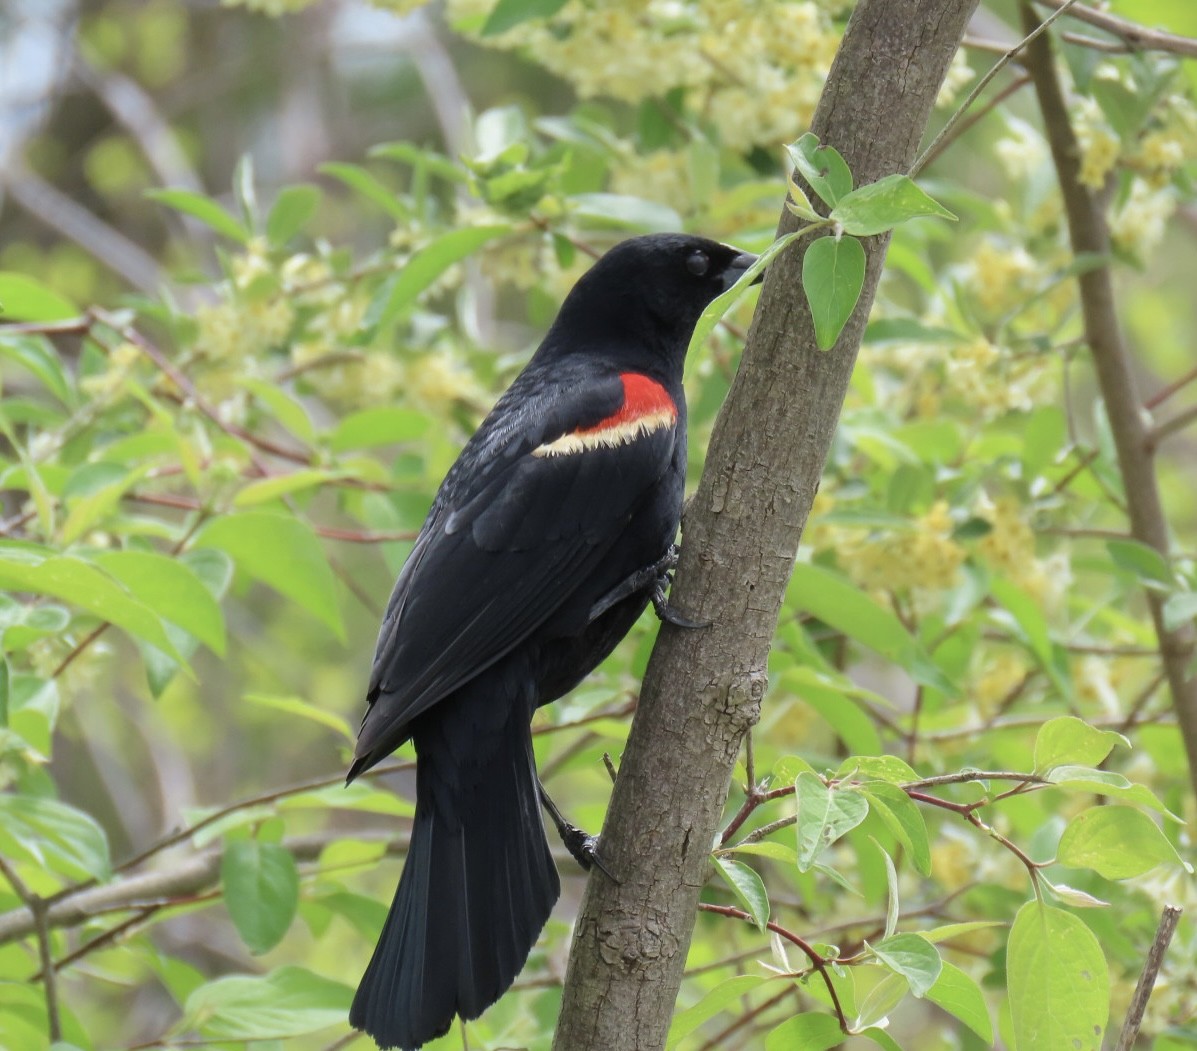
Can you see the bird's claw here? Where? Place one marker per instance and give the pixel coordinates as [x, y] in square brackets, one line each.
[664, 580]
[584, 850]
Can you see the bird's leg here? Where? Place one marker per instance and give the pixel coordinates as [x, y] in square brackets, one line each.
[582, 847]
[657, 577]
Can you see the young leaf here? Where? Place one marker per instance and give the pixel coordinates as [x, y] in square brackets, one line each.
[292, 210]
[401, 289]
[38, 356]
[261, 891]
[369, 187]
[288, 1002]
[204, 209]
[822, 167]
[1057, 979]
[172, 590]
[24, 299]
[1180, 609]
[884, 204]
[913, 957]
[748, 888]
[283, 552]
[53, 835]
[1116, 842]
[718, 999]
[380, 426]
[823, 816]
[833, 272]
[1145, 562]
[902, 817]
[959, 995]
[1068, 740]
[507, 14]
[805, 1032]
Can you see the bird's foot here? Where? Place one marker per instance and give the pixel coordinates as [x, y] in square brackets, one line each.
[584, 849]
[661, 585]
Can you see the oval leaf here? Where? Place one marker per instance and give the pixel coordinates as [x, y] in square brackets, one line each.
[884, 204]
[1116, 842]
[261, 891]
[748, 888]
[823, 816]
[833, 272]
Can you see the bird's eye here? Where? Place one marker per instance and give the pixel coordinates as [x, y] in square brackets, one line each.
[698, 262]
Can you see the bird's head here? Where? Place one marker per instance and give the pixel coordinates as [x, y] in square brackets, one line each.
[647, 293]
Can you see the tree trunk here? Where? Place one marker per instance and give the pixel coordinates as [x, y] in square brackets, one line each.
[703, 688]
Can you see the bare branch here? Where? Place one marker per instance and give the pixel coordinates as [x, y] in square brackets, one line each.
[1151, 969]
[1133, 35]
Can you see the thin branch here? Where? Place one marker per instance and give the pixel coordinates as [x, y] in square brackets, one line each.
[817, 961]
[105, 243]
[1161, 396]
[948, 129]
[1089, 235]
[1151, 969]
[942, 142]
[37, 907]
[1169, 427]
[1133, 35]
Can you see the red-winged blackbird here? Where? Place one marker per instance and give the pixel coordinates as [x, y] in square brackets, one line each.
[547, 539]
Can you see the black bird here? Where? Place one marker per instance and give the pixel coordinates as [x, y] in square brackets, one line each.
[548, 538]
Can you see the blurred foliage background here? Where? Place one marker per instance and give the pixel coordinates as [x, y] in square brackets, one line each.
[266, 265]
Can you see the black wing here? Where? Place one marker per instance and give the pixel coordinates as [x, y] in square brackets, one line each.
[510, 537]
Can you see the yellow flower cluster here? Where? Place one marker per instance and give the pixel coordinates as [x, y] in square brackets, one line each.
[1138, 226]
[959, 74]
[1099, 144]
[1009, 548]
[995, 673]
[923, 556]
[232, 331]
[755, 67]
[1000, 276]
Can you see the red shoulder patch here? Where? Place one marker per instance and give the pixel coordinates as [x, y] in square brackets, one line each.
[642, 397]
[647, 407]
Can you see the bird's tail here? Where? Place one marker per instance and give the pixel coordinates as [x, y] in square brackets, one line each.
[477, 888]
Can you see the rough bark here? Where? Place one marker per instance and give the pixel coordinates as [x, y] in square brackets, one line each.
[703, 688]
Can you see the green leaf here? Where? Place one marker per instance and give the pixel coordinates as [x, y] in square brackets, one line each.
[1070, 740]
[288, 1002]
[959, 995]
[893, 901]
[266, 489]
[1180, 609]
[282, 552]
[369, 187]
[401, 289]
[748, 888]
[723, 996]
[955, 930]
[172, 590]
[805, 1032]
[39, 357]
[261, 891]
[822, 167]
[723, 302]
[881, 1038]
[54, 835]
[765, 848]
[1116, 842]
[823, 816]
[836, 601]
[1057, 980]
[880, 999]
[1145, 562]
[884, 204]
[1108, 783]
[877, 768]
[507, 14]
[24, 299]
[287, 410]
[292, 210]
[204, 209]
[833, 271]
[381, 426]
[1028, 616]
[83, 585]
[625, 212]
[304, 709]
[913, 957]
[902, 817]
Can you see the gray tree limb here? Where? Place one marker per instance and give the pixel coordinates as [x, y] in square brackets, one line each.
[703, 689]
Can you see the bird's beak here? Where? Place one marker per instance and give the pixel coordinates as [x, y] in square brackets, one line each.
[736, 268]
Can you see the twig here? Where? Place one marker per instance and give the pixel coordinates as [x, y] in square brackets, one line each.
[1161, 396]
[1135, 36]
[941, 143]
[1151, 969]
[817, 961]
[1089, 235]
[746, 1018]
[39, 910]
[1169, 427]
[981, 85]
